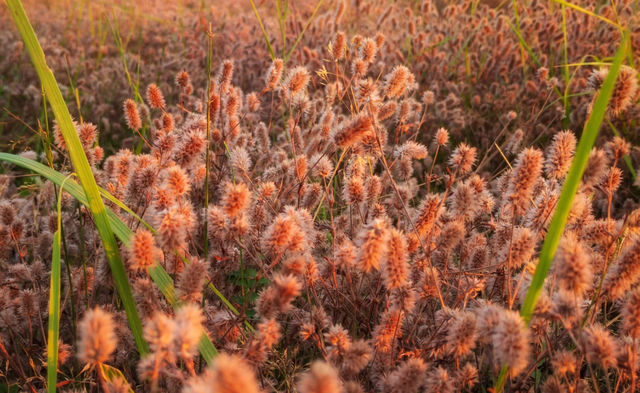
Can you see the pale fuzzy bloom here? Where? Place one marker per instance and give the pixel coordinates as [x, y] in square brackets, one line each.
[117, 385]
[356, 357]
[428, 98]
[353, 191]
[353, 130]
[409, 377]
[277, 298]
[132, 115]
[297, 80]
[626, 271]
[428, 285]
[461, 334]
[511, 342]
[177, 181]
[321, 378]
[182, 79]
[280, 233]
[372, 245]
[97, 337]
[463, 158]
[526, 172]
[599, 346]
[311, 197]
[322, 167]
[236, 199]
[627, 355]
[142, 250]
[411, 149]
[467, 376]
[189, 330]
[573, 266]
[631, 314]
[452, 235]
[191, 281]
[439, 381]
[274, 74]
[339, 45]
[368, 50]
[269, 333]
[563, 363]
[624, 91]
[617, 148]
[172, 230]
[155, 97]
[611, 180]
[228, 374]
[395, 269]
[225, 74]
[441, 138]
[513, 145]
[326, 122]
[359, 67]
[397, 81]
[345, 256]
[387, 110]
[338, 341]
[560, 154]
[294, 266]
[595, 169]
[428, 212]
[159, 331]
[522, 247]
[389, 329]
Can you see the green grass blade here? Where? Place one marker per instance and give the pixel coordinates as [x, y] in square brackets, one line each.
[54, 304]
[585, 11]
[569, 189]
[82, 168]
[124, 233]
[264, 32]
[303, 31]
[54, 317]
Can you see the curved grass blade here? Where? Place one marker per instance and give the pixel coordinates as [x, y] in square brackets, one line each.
[122, 231]
[569, 189]
[303, 31]
[82, 168]
[264, 32]
[111, 373]
[54, 304]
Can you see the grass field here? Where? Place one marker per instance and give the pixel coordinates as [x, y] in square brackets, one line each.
[322, 196]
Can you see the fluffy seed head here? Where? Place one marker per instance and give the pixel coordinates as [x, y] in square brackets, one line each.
[155, 97]
[274, 74]
[560, 154]
[297, 80]
[182, 79]
[236, 199]
[526, 171]
[511, 342]
[397, 81]
[228, 374]
[372, 245]
[321, 378]
[97, 337]
[132, 115]
[463, 158]
[599, 346]
[573, 266]
[142, 250]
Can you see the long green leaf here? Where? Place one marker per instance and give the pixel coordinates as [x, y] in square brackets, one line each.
[120, 229]
[54, 304]
[569, 189]
[81, 165]
[264, 32]
[303, 31]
